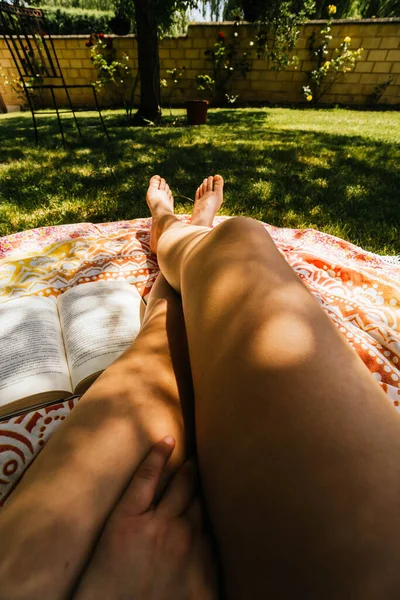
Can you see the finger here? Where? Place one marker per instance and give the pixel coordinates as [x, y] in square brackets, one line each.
[179, 493]
[140, 493]
[210, 182]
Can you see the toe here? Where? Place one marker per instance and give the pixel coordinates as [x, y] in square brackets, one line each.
[204, 186]
[163, 184]
[197, 196]
[210, 182]
[218, 183]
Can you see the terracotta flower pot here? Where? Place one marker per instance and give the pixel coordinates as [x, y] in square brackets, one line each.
[196, 112]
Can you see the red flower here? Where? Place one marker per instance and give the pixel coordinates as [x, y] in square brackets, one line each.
[221, 35]
[88, 44]
[101, 35]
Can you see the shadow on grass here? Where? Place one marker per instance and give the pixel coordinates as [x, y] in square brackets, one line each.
[345, 185]
[238, 117]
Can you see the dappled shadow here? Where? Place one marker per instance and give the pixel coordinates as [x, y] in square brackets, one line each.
[344, 184]
[238, 117]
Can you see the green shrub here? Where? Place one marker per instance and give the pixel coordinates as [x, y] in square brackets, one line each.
[68, 21]
[86, 4]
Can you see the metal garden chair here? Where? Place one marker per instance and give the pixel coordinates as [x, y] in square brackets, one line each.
[32, 49]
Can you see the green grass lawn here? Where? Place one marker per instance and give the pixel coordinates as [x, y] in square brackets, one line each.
[334, 170]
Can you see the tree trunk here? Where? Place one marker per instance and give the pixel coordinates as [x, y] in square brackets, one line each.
[3, 108]
[149, 63]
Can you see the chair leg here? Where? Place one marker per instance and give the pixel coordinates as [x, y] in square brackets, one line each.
[100, 115]
[58, 116]
[28, 97]
[72, 110]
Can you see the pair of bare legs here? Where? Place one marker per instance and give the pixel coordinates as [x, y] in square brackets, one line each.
[297, 445]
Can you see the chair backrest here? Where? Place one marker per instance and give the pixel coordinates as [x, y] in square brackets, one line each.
[28, 41]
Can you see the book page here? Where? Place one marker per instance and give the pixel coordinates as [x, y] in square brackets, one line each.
[99, 321]
[32, 357]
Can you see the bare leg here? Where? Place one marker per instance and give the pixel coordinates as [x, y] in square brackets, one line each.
[298, 446]
[51, 522]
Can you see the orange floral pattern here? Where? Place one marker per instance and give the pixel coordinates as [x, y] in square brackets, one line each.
[360, 292]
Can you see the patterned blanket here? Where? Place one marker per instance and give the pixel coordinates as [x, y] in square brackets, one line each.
[360, 292]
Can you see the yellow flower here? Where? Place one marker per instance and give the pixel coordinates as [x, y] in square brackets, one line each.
[332, 9]
[309, 98]
[347, 39]
[327, 65]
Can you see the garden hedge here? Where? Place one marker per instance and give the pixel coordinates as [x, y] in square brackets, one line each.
[64, 21]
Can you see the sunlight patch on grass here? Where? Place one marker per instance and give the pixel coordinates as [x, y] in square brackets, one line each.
[356, 192]
[315, 161]
[83, 152]
[263, 190]
[321, 182]
[366, 124]
[316, 211]
[85, 170]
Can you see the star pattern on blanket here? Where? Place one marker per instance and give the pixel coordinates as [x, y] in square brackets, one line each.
[359, 291]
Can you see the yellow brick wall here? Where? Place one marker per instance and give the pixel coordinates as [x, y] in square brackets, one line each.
[380, 60]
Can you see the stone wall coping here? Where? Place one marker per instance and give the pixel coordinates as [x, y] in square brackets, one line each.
[388, 20]
[310, 22]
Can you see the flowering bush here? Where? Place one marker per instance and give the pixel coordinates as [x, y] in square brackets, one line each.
[206, 84]
[327, 72]
[279, 30]
[175, 76]
[96, 37]
[228, 61]
[112, 72]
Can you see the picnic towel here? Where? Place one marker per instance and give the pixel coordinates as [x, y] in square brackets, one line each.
[360, 292]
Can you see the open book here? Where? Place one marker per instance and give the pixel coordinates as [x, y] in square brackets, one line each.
[51, 349]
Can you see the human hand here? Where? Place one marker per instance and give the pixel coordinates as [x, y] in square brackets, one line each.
[151, 551]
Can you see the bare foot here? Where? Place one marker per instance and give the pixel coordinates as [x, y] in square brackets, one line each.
[208, 200]
[161, 203]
